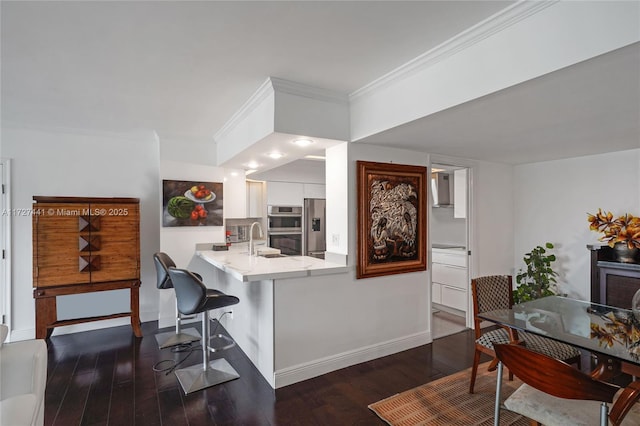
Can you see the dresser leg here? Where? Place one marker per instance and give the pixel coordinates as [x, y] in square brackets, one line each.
[46, 315]
[135, 311]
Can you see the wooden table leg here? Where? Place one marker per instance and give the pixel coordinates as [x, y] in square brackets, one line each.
[135, 310]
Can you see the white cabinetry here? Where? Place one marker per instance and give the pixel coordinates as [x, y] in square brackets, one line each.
[460, 193]
[235, 199]
[285, 193]
[450, 283]
[314, 190]
[255, 198]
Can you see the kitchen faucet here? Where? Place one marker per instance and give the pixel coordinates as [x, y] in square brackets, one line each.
[251, 248]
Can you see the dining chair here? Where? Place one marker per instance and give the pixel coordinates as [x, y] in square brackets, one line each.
[556, 394]
[496, 292]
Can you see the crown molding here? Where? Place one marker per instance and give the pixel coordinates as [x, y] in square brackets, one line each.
[484, 29]
[299, 89]
[265, 89]
[274, 85]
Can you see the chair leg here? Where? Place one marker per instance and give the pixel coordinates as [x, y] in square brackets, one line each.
[209, 373]
[474, 370]
[179, 337]
[496, 408]
[579, 363]
[604, 414]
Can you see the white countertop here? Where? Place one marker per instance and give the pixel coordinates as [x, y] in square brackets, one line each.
[255, 268]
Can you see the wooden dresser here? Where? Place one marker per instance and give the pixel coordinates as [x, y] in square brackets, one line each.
[612, 283]
[83, 245]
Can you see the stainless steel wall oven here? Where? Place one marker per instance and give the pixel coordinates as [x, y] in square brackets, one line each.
[289, 244]
[284, 229]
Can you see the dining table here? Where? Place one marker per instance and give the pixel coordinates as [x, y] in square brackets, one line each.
[610, 333]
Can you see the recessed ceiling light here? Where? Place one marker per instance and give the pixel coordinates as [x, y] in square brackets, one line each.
[275, 155]
[252, 165]
[234, 173]
[303, 142]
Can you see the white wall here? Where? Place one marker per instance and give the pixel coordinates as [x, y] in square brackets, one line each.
[445, 229]
[194, 151]
[55, 162]
[552, 200]
[337, 195]
[180, 242]
[390, 307]
[492, 218]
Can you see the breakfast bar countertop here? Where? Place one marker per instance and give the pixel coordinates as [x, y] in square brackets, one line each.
[255, 268]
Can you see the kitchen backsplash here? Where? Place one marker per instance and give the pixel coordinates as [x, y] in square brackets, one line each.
[239, 229]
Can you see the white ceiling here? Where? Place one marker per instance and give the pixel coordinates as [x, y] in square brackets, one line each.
[182, 69]
[588, 108]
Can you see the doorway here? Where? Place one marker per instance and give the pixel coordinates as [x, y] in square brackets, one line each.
[450, 249]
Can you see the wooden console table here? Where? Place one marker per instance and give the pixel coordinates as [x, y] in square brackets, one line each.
[84, 245]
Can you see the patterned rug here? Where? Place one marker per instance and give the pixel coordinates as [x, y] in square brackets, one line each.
[447, 402]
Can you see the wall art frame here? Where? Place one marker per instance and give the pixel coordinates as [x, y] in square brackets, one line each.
[191, 203]
[392, 219]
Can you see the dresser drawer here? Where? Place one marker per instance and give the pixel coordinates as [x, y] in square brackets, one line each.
[457, 258]
[454, 297]
[449, 275]
[436, 293]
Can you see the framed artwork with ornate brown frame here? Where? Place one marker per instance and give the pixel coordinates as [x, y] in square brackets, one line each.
[392, 219]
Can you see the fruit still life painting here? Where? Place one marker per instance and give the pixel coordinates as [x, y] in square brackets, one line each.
[191, 203]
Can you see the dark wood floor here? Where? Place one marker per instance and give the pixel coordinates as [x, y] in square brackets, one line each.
[106, 377]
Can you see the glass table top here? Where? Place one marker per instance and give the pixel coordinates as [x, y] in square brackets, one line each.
[607, 330]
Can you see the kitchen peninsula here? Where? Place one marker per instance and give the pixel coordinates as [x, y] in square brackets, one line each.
[254, 268]
[276, 321]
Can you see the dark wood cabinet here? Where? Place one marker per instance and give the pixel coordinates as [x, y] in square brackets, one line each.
[612, 283]
[83, 245]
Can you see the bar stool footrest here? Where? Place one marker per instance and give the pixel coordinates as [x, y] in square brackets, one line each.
[222, 343]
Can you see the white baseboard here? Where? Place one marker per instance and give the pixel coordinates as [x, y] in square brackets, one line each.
[308, 370]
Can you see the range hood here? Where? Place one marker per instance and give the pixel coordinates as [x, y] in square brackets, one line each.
[440, 189]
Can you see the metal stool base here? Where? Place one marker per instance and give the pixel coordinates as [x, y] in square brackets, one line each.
[195, 378]
[171, 338]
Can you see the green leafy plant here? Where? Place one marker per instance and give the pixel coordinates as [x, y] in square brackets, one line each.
[538, 279]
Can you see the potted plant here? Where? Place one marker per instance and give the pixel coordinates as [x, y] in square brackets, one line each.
[538, 279]
[621, 233]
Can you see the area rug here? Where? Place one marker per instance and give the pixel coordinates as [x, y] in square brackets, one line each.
[447, 402]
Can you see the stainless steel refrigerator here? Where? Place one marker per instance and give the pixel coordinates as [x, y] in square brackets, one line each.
[315, 241]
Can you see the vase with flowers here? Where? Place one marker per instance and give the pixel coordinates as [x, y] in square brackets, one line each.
[622, 233]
